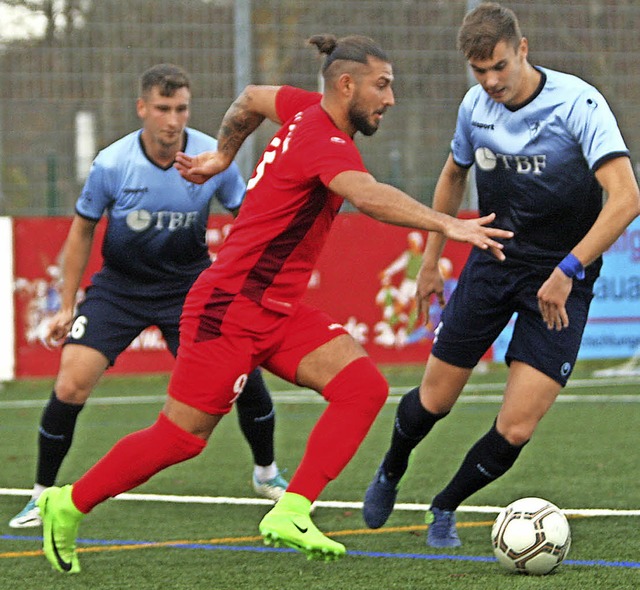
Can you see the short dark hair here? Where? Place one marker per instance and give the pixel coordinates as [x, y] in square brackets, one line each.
[356, 48]
[167, 78]
[484, 27]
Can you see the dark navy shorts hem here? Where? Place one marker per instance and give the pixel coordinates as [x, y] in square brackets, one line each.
[108, 322]
[488, 295]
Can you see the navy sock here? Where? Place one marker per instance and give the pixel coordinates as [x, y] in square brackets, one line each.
[413, 422]
[57, 425]
[257, 419]
[491, 457]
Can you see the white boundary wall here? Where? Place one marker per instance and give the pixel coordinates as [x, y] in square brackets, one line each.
[7, 320]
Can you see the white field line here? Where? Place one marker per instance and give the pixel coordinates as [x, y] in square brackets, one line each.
[473, 393]
[170, 498]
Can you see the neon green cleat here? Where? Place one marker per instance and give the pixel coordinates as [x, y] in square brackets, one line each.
[60, 522]
[288, 525]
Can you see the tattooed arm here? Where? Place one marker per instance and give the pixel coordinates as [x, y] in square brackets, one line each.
[244, 116]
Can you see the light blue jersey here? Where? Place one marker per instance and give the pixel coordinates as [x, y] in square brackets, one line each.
[535, 164]
[155, 240]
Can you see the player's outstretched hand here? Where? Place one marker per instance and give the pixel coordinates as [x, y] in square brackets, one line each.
[202, 167]
[476, 232]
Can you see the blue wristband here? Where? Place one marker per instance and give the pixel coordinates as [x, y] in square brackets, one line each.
[572, 267]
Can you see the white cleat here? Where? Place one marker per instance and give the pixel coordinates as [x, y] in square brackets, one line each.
[28, 517]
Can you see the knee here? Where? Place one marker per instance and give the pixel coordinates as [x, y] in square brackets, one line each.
[189, 419]
[436, 406]
[362, 383]
[516, 434]
[436, 401]
[72, 391]
[379, 388]
[440, 390]
[180, 444]
[372, 382]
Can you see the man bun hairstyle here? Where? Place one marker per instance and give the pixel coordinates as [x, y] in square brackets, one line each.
[356, 48]
[167, 78]
[484, 27]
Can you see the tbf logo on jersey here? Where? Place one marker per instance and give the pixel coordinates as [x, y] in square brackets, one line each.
[487, 160]
[141, 219]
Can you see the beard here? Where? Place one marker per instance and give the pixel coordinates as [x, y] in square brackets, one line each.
[360, 120]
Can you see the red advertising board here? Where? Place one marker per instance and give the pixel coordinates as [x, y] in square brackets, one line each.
[364, 279]
[38, 243]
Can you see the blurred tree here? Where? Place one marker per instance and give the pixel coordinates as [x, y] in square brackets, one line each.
[61, 16]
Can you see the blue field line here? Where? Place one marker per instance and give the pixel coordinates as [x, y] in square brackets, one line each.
[377, 554]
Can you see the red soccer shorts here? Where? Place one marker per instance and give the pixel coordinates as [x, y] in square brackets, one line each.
[224, 338]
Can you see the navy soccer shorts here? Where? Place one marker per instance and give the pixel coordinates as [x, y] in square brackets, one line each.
[108, 322]
[485, 299]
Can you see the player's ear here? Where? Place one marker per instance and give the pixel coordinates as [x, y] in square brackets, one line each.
[141, 107]
[523, 47]
[346, 84]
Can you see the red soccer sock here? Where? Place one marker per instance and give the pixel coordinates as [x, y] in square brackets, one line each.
[355, 397]
[133, 460]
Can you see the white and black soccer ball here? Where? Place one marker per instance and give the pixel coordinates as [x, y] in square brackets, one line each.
[531, 536]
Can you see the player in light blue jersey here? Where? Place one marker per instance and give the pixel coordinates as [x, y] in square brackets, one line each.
[545, 144]
[153, 250]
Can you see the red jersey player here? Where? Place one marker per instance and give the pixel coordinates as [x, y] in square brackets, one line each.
[246, 310]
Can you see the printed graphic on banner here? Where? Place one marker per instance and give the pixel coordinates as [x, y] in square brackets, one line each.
[37, 246]
[41, 298]
[400, 325]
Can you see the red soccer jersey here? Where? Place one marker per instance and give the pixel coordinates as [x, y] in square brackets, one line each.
[287, 213]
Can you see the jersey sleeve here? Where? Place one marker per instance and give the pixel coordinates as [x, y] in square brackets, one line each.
[461, 146]
[95, 196]
[328, 163]
[291, 100]
[595, 127]
[323, 151]
[231, 189]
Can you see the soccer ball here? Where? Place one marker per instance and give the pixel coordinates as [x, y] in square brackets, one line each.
[531, 536]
